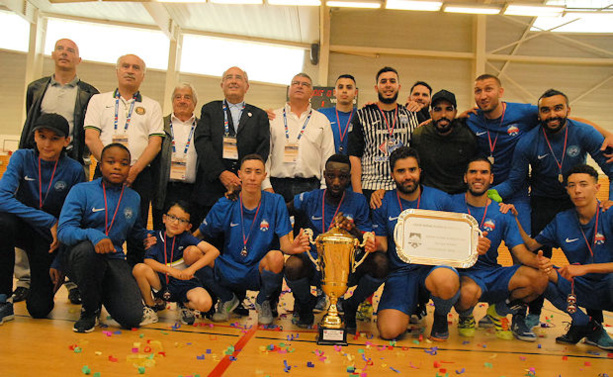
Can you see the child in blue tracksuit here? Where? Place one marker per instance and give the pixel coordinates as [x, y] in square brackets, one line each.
[96, 220]
[32, 191]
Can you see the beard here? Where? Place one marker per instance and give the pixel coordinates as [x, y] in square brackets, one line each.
[561, 124]
[442, 129]
[478, 193]
[407, 189]
[388, 100]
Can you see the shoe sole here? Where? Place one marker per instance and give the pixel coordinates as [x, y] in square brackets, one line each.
[525, 338]
[86, 331]
[566, 342]
[591, 343]
[438, 338]
[7, 318]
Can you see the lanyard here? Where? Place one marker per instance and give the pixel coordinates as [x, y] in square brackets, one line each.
[591, 248]
[489, 138]
[338, 123]
[484, 212]
[225, 117]
[390, 130]
[41, 200]
[246, 239]
[303, 126]
[129, 116]
[107, 229]
[323, 211]
[559, 163]
[172, 253]
[189, 138]
[400, 204]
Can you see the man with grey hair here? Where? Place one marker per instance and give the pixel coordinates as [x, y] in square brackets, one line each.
[174, 168]
[127, 117]
[227, 131]
[301, 141]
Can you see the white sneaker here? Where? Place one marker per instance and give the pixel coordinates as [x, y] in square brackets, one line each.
[224, 309]
[149, 316]
[264, 313]
[186, 315]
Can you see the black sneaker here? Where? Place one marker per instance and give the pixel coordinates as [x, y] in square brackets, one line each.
[304, 320]
[20, 294]
[575, 334]
[350, 313]
[6, 310]
[87, 322]
[74, 296]
[241, 310]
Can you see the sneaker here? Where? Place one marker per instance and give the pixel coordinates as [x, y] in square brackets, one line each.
[241, 310]
[574, 334]
[485, 323]
[466, 326]
[303, 320]
[74, 296]
[322, 302]
[598, 337]
[264, 313]
[533, 320]
[20, 294]
[159, 305]
[520, 330]
[149, 316]
[501, 324]
[87, 323]
[6, 310]
[440, 328]
[186, 315]
[224, 309]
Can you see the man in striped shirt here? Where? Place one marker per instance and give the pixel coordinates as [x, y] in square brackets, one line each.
[375, 132]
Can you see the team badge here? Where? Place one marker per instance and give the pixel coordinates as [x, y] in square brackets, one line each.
[264, 226]
[128, 213]
[513, 130]
[573, 151]
[489, 225]
[599, 239]
[60, 186]
[140, 110]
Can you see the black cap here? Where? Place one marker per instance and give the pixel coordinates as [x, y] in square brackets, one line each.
[54, 122]
[444, 95]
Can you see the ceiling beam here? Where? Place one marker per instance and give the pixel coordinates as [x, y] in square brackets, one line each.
[22, 8]
[162, 18]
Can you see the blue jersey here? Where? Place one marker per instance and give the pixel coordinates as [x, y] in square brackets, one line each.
[565, 232]
[533, 150]
[272, 222]
[85, 216]
[499, 227]
[354, 207]
[339, 130]
[505, 131]
[180, 242]
[19, 187]
[384, 218]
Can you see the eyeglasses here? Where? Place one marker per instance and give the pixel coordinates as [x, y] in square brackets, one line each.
[301, 83]
[175, 218]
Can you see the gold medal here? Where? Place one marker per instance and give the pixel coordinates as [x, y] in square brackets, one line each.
[561, 178]
[244, 251]
[491, 159]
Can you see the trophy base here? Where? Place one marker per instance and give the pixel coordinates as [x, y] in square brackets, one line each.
[331, 337]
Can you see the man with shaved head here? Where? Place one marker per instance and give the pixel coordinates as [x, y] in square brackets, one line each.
[127, 117]
[65, 94]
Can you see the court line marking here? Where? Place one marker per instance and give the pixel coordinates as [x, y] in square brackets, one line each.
[221, 367]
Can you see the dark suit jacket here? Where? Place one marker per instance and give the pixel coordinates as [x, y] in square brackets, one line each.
[34, 98]
[253, 136]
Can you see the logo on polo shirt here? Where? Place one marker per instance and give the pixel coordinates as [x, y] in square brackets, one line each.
[599, 239]
[264, 225]
[489, 225]
[140, 110]
[60, 186]
[128, 213]
[513, 130]
[573, 151]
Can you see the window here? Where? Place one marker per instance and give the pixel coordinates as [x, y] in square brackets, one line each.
[106, 43]
[262, 62]
[17, 28]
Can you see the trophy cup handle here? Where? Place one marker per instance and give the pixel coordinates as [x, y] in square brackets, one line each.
[309, 233]
[367, 236]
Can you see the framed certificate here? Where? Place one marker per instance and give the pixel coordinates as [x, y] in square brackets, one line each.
[437, 238]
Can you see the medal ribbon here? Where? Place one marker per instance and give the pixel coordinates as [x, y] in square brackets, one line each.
[559, 163]
[338, 123]
[303, 126]
[41, 200]
[590, 248]
[107, 229]
[172, 253]
[246, 239]
[400, 204]
[390, 130]
[489, 138]
[323, 211]
[189, 138]
[129, 116]
[484, 212]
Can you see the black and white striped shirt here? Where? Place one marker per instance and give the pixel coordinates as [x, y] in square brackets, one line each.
[369, 139]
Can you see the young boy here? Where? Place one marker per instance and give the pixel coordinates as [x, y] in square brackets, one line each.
[96, 220]
[166, 273]
[32, 191]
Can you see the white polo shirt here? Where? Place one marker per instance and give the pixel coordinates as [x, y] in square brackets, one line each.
[146, 120]
[314, 146]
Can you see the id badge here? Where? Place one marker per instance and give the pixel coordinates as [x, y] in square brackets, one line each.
[178, 169]
[121, 139]
[230, 150]
[290, 154]
[392, 145]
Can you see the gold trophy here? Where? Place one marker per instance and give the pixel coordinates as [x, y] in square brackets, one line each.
[336, 252]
